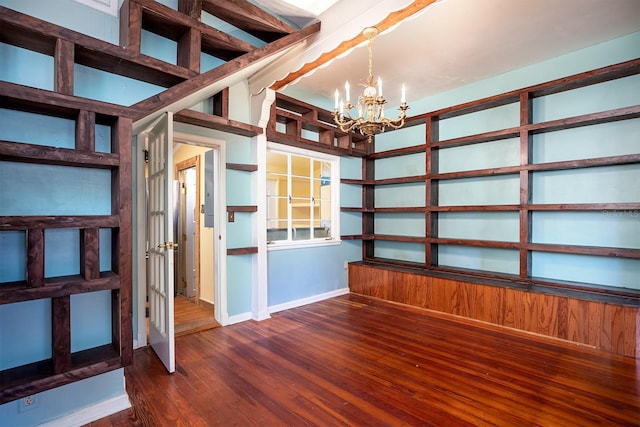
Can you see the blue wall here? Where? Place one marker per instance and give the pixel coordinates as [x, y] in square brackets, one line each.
[612, 184]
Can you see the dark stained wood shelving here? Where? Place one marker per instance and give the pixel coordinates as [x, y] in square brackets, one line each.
[211, 121]
[298, 116]
[242, 167]
[242, 251]
[524, 171]
[252, 208]
[68, 49]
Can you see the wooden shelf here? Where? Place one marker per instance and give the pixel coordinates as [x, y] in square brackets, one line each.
[217, 123]
[243, 208]
[242, 167]
[242, 251]
[524, 172]
[298, 116]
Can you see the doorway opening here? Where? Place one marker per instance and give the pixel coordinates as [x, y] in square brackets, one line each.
[194, 302]
[207, 292]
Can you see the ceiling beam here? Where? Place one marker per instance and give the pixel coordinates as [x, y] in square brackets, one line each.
[392, 19]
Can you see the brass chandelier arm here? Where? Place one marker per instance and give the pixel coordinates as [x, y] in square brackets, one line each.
[370, 106]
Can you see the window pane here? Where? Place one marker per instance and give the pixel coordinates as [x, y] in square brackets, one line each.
[300, 166]
[298, 197]
[276, 163]
[301, 229]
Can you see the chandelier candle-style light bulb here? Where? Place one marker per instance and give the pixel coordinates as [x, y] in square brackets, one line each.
[370, 105]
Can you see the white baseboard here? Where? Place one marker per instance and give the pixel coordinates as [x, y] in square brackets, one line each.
[243, 317]
[92, 413]
[230, 320]
[308, 300]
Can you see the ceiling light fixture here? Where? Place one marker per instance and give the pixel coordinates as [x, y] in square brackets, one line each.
[370, 106]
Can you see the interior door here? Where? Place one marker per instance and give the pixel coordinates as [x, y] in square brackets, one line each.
[161, 240]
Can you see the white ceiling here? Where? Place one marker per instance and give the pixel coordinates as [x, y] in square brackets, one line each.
[456, 42]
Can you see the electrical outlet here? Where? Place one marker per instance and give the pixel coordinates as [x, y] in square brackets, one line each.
[28, 403]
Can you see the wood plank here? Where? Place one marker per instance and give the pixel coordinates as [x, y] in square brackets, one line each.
[39, 101]
[248, 17]
[63, 67]
[242, 167]
[122, 237]
[90, 253]
[211, 121]
[35, 257]
[242, 208]
[58, 287]
[86, 134]
[242, 251]
[61, 333]
[21, 152]
[26, 222]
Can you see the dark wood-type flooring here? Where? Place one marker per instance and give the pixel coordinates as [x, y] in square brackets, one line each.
[189, 317]
[359, 361]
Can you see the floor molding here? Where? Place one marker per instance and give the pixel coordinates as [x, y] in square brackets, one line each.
[91, 413]
[307, 300]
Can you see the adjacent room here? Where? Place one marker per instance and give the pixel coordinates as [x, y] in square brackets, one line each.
[329, 212]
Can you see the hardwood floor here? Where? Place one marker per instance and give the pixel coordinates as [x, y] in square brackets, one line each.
[360, 361]
[190, 317]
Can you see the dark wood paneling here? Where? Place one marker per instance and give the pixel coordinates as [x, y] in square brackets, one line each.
[610, 327]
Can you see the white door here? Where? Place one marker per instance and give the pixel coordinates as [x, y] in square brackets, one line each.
[161, 242]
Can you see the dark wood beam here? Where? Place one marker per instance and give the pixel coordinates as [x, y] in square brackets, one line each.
[182, 90]
[248, 17]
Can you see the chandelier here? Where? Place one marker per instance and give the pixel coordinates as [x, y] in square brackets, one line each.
[370, 105]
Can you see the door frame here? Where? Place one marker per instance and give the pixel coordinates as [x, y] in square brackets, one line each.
[193, 162]
[220, 225]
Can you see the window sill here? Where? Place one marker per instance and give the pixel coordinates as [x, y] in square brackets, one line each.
[281, 246]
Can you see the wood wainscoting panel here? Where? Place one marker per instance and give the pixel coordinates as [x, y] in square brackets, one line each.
[603, 325]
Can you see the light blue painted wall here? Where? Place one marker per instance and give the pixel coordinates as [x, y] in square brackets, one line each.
[589, 185]
[64, 400]
[295, 274]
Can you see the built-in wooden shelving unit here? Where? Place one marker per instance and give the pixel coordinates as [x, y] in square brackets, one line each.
[302, 121]
[525, 131]
[69, 49]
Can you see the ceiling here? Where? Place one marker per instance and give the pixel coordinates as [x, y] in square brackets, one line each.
[452, 43]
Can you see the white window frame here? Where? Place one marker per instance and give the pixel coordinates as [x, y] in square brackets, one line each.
[335, 199]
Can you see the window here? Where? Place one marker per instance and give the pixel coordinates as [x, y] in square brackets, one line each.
[302, 197]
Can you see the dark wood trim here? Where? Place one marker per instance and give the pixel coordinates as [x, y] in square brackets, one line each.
[39, 101]
[61, 332]
[40, 222]
[248, 17]
[242, 208]
[211, 121]
[242, 167]
[21, 152]
[242, 251]
[35, 258]
[64, 58]
[57, 287]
